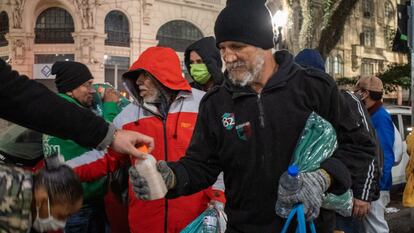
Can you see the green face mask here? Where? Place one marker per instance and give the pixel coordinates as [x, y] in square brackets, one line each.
[200, 73]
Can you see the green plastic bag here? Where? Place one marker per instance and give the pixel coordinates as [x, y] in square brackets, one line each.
[317, 143]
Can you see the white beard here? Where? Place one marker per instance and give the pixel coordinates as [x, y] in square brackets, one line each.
[153, 98]
[247, 77]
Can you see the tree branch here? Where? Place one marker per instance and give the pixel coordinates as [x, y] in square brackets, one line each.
[334, 29]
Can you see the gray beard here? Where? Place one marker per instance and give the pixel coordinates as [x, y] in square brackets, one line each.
[249, 76]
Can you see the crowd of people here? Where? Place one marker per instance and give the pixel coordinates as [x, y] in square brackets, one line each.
[223, 138]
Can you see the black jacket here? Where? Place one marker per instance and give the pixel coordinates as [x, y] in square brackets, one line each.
[365, 180]
[30, 104]
[207, 50]
[251, 138]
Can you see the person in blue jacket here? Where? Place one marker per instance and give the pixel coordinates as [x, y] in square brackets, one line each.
[370, 90]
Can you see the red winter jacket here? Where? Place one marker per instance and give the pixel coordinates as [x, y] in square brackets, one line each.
[171, 132]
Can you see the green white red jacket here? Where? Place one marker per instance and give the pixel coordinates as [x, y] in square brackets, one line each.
[82, 159]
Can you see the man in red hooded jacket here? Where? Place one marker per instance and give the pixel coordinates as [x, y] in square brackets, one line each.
[165, 107]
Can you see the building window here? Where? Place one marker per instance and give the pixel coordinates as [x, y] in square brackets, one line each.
[367, 67]
[4, 28]
[178, 34]
[389, 10]
[115, 66]
[367, 8]
[328, 65]
[52, 58]
[117, 29]
[54, 25]
[369, 37]
[338, 66]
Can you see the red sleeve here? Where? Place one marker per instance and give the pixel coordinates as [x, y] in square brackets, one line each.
[101, 167]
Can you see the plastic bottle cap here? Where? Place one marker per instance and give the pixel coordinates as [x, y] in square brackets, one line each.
[293, 170]
[143, 149]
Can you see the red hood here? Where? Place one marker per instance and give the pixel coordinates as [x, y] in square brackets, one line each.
[163, 64]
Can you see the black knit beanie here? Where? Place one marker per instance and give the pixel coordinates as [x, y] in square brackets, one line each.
[70, 75]
[246, 21]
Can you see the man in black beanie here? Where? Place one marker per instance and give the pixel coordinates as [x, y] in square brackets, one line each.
[249, 127]
[74, 83]
[75, 80]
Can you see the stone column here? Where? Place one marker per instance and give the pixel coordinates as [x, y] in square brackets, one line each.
[90, 50]
[21, 51]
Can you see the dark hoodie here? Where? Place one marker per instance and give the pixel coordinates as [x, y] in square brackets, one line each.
[251, 138]
[207, 50]
[365, 179]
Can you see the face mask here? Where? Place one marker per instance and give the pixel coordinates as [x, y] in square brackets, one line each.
[200, 73]
[47, 224]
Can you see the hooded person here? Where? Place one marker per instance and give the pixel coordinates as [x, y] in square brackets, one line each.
[203, 62]
[365, 182]
[248, 128]
[164, 107]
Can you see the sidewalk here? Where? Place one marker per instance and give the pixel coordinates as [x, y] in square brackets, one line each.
[401, 221]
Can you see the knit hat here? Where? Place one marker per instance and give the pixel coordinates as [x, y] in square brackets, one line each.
[369, 83]
[247, 21]
[70, 75]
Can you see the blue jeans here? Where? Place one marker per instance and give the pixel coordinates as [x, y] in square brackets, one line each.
[89, 219]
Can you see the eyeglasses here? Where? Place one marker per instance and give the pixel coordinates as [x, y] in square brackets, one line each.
[87, 85]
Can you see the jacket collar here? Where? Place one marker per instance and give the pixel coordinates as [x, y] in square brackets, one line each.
[70, 99]
[287, 68]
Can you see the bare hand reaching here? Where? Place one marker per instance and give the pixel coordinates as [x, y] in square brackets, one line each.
[126, 142]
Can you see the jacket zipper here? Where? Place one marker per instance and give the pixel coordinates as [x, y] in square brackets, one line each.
[164, 126]
[261, 111]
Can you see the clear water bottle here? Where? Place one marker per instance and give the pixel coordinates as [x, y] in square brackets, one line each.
[291, 183]
[210, 220]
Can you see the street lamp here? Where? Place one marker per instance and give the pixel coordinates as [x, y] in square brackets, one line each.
[279, 20]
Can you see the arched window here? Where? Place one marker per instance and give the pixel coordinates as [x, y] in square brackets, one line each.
[178, 34]
[117, 29]
[4, 28]
[338, 66]
[389, 10]
[54, 25]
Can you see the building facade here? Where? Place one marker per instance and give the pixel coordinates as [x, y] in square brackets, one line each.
[365, 47]
[108, 35]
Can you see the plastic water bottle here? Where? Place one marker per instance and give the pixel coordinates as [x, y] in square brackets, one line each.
[148, 169]
[291, 183]
[210, 220]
